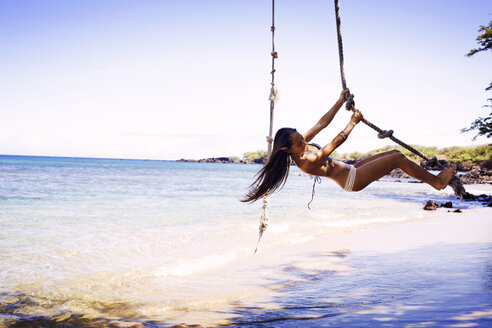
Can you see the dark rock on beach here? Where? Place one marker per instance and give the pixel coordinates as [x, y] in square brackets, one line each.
[448, 205]
[484, 200]
[430, 206]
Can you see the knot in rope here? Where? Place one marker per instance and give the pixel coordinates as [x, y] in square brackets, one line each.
[432, 162]
[264, 216]
[264, 220]
[274, 54]
[350, 104]
[385, 134]
[273, 94]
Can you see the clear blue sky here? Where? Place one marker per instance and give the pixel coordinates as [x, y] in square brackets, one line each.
[172, 79]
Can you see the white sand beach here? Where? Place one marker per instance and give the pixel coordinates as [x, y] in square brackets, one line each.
[433, 272]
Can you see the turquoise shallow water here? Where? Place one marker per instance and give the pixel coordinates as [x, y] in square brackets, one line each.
[125, 239]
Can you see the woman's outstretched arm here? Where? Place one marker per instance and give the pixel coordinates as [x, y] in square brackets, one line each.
[327, 118]
[324, 152]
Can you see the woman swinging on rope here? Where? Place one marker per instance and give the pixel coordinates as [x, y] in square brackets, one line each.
[291, 145]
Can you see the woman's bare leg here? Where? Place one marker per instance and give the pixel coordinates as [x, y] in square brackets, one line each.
[372, 170]
[375, 156]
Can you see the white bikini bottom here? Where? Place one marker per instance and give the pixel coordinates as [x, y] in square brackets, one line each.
[351, 178]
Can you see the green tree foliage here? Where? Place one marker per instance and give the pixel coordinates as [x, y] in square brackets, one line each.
[468, 155]
[484, 39]
[252, 155]
[482, 124]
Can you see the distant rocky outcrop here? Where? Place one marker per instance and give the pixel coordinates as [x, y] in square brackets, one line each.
[398, 174]
[479, 175]
[224, 160]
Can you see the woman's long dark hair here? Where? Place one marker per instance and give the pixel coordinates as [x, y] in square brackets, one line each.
[273, 174]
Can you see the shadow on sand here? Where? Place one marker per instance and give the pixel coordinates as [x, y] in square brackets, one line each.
[445, 285]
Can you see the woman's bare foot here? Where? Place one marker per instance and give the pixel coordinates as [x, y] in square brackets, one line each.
[445, 177]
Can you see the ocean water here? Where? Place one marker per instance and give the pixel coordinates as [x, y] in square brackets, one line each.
[113, 242]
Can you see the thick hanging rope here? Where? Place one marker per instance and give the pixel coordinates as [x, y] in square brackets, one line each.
[340, 45]
[273, 98]
[456, 183]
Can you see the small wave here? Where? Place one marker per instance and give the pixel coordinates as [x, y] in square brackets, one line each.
[187, 267]
[20, 198]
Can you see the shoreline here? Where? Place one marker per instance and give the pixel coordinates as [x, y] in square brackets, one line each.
[432, 271]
